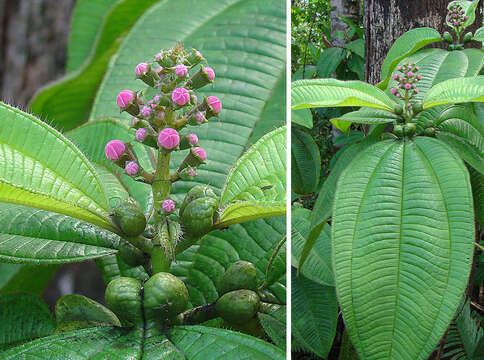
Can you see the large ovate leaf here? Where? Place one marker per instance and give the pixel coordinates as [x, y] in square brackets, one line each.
[86, 20]
[43, 169]
[180, 343]
[274, 324]
[404, 46]
[34, 236]
[66, 103]
[366, 116]
[302, 117]
[256, 186]
[453, 91]
[460, 129]
[477, 181]
[305, 162]
[23, 317]
[314, 314]
[403, 241]
[329, 61]
[332, 92]
[479, 35]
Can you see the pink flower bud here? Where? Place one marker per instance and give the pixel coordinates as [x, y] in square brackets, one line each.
[399, 68]
[410, 74]
[456, 23]
[191, 172]
[200, 117]
[160, 114]
[393, 91]
[416, 91]
[200, 153]
[194, 99]
[181, 70]
[168, 138]
[180, 96]
[125, 98]
[158, 56]
[409, 105]
[132, 168]
[114, 149]
[146, 111]
[140, 69]
[135, 121]
[408, 86]
[466, 18]
[168, 205]
[153, 106]
[159, 69]
[157, 98]
[210, 73]
[193, 139]
[141, 134]
[395, 76]
[397, 95]
[419, 77]
[215, 104]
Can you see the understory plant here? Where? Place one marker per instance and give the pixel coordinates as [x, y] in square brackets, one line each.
[393, 238]
[178, 201]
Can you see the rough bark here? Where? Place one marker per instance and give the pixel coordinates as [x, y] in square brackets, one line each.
[33, 42]
[386, 20]
[346, 8]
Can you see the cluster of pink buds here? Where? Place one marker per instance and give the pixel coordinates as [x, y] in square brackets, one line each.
[456, 16]
[165, 108]
[407, 80]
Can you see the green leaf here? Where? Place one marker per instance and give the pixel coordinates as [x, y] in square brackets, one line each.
[77, 312]
[305, 72]
[329, 61]
[86, 20]
[365, 116]
[479, 35]
[453, 91]
[342, 125]
[302, 117]
[203, 266]
[460, 129]
[67, 102]
[332, 92]
[181, 343]
[256, 185]
[274, 325]
[112, 267]
[305, 161]
[34, 236]
[404, 46]
[402, 246]
[25, 278]
[113, 188]
[316, 314]
[357, 46]
[317, 259]
[23, 317]
[43, 169]
[477, 182]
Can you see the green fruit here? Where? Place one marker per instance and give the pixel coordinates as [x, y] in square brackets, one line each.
[409, 129]
[398, 130]
[123, 297]
[417, 107]
[131, 255]
[165, 296]
[398, 109]
[467, 37]
[129, 218]
[197, 192]
[430, 131]
[240, 275]
[199, 216]
[238, 307]
[447, 37]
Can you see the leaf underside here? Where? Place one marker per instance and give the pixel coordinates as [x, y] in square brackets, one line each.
[403, 238]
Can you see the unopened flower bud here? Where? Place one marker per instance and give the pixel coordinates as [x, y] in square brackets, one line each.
[141, 134]
[210, 72]
[181, 71]
[203, 77]
[168, 205]
[126, 101]
[188, 173]
[408, 86]
[132, 168]
[180, 96]
[393, 91]
[214, 106]
[114, 149]
[168, 139]
[146, 111]
[188, 141]
[195, 157]
[141, 69]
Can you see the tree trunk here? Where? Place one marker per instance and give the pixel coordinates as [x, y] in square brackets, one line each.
[386, 20]
[33, 42]
[346, 8]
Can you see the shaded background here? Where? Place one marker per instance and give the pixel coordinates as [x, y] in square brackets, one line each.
[33, 47]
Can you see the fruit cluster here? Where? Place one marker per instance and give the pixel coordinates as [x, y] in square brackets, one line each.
[456, 16]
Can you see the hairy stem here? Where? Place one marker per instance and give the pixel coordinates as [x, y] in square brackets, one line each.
[199, 314]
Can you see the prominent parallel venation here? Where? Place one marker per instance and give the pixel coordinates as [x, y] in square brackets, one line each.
[402, 246]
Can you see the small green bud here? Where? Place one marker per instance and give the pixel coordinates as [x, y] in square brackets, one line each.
[417, 107]
[398, 130]
[240, 275]
[238, 307]
[448, 38]
[409, 129]
[398, 109]
[430, 131]
[129, 218]
[467, 37]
